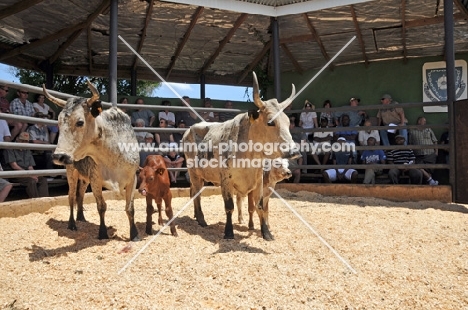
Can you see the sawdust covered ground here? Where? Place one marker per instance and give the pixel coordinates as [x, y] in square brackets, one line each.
[405, 255]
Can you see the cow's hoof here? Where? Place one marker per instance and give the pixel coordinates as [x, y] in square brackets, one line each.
[81, 219]
[202, 223]
[229, 236]
[72, 227]
[135, 239]
[103, 233]
[101, 237]
[251, 227]
[149, 232]
[268, 237]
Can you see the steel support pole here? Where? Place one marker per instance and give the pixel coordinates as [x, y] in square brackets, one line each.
[113, 33]
[276, 58]
[450, 70]
[202, 87]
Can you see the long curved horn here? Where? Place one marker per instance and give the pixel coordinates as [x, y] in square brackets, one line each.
[256, 92]
[57, 101]
[94, 92]
[288, 101]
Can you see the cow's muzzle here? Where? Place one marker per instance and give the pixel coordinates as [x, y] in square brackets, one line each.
[288, 174]
[61, 159]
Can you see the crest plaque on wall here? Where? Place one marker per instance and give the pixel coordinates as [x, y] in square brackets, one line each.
[435, 83]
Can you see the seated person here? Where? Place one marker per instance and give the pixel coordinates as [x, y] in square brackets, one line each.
[39, 134]
[406, 157]
[355, 117]
[321, 137]
[178, 135]
[341, 158]
[163, 137]
[173, 160]
[209, 116]
[364, 135]
[348, 133]
[140, 135]
[5, 188]
[372, 157]
[22, 159]
[167, 115]
[144, 152]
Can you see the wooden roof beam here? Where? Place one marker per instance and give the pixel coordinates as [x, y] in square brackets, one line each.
[184, 40]
[317, 38]
[403, 30]
[149, 12]
[223, 43]
[90, 50]
[18, 7]
[359, 35]
[291, 57]
[62, 33]
[259, 57]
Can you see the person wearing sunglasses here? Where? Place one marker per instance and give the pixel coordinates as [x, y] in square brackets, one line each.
[21, 106]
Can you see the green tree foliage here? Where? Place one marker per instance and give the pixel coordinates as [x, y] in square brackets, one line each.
[76, 85]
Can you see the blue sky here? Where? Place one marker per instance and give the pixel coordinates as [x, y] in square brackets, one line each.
[219, 92]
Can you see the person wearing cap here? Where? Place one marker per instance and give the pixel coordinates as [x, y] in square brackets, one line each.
[406, 157]
[370, 157]
[308, 119]
[355, 117]
[390, 115]
[21, 106]
[22, 159]
[343, 157]
[166, 114]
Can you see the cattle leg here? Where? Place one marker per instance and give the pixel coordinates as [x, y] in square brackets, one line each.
[129, 208]
[239, 208]
[101, 207]
[251, 210]
[81, 190]
[149, 215]
[170, 212]
[229, 208]
[195, 187]
[159, 205]
[258, 197]
[72, 180]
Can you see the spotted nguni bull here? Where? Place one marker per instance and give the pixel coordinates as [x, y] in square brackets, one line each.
[268, 125]
[87, 130]
[155, 184]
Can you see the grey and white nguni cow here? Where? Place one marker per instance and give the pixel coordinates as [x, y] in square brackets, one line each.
[226, 165]
[87, 130]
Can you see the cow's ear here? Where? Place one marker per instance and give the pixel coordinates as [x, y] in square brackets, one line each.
[96, 108]
[253, 115]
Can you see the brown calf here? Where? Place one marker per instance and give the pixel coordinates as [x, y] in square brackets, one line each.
[155, 184]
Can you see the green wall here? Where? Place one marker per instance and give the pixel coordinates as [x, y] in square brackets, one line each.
[403, 81]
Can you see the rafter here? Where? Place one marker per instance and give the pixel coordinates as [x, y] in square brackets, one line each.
[57, 35]
[317, 38]
[359, 35]
[184, 40]
[254, 62]
[18, 7]
[149, 12]
[223, 43]
[403, 30]
[291, 57]
[90, 50]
